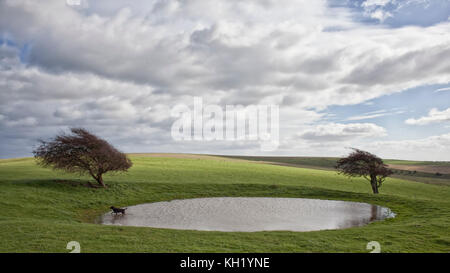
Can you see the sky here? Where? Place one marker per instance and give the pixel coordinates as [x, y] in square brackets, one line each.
[369, 74]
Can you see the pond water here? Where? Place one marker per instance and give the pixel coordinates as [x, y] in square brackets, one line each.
[250, 214]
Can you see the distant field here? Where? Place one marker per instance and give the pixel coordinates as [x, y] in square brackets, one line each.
[330, 162]
[319, 162]
[418, 163]
[433, 169]
[430, 172]
[42, 210]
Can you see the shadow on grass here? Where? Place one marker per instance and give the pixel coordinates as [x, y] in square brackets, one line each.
[55, 183]
[192, 190]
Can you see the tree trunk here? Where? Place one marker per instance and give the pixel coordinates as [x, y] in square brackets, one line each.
[99, 179]
[373, 183]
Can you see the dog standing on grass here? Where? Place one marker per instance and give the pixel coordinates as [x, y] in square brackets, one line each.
[118, 210]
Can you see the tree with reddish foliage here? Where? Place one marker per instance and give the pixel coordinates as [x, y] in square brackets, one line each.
[361, 163]
[81, 152]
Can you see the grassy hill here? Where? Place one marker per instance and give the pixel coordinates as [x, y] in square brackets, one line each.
[430, 172]
[42, 210]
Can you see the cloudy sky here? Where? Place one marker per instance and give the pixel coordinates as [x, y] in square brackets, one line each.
[371, 74]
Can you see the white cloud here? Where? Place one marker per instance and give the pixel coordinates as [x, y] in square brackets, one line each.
[370, 3]
[376, 114]
[374, 9]
[380, 15]
[120, 69]
[434, 116]
[249, 45]
[443, 89]
[341, 132]
[430, 148]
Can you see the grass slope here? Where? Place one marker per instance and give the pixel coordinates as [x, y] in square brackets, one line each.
[430, 172]
[42, 210]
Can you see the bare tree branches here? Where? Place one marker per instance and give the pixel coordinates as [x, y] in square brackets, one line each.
[81, 152]
[361, 163]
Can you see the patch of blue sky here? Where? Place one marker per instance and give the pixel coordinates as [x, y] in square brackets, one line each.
[7, 42]
[391, 112]
[397, 13]
[23, 51]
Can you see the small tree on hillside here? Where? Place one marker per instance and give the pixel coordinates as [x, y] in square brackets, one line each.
[361, 163]
[81, 152]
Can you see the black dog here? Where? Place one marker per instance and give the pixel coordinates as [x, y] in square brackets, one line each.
[117, 210]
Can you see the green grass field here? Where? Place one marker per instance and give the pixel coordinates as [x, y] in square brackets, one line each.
[42, 210]
[330, 162]
[419, 171]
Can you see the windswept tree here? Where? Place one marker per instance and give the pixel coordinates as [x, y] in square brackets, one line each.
[81, 152]
[361, 163]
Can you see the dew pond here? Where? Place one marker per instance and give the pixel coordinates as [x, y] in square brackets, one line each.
[249, 214]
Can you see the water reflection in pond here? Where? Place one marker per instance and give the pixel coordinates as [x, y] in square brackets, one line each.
[250, 214]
